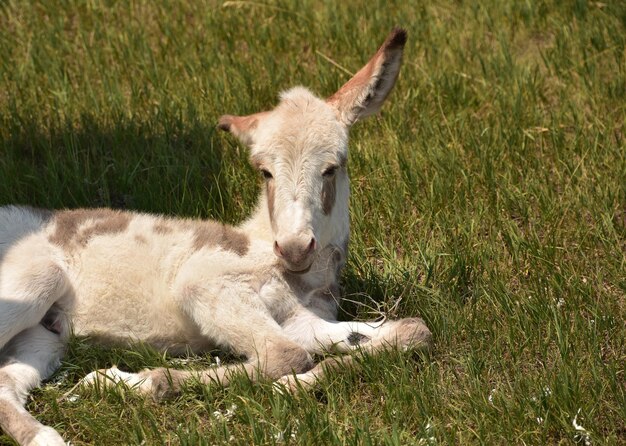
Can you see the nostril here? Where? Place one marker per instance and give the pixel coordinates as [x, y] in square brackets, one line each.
[311, 247]
[277, 250]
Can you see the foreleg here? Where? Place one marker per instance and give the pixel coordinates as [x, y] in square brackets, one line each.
[319, 335]
[369, 337]
[230, 317]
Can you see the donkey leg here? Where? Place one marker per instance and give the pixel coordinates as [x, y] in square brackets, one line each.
[369, 337]
[275, 357]
[318, 335]
[31, 281]
[234, 321]
[28, 358]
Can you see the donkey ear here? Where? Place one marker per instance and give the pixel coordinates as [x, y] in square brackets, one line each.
[365, 93]
[243, 127]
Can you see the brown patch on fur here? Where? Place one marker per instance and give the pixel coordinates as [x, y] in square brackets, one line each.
[68, 224]
[140, 239]
[208, 233]
[270, 198]
[162, 228]
[329, 193]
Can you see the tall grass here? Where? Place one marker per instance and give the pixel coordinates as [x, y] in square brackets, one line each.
[489, 198]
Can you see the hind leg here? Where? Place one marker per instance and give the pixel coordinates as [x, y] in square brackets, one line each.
[31, 281]
[28, 358]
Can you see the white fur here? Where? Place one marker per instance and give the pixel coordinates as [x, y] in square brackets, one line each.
[180, 285]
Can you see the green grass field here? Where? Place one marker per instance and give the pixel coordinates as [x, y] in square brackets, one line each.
[489, 198]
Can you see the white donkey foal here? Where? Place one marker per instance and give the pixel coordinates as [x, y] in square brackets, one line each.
[266, 290]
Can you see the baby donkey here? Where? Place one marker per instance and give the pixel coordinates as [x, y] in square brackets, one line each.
[266, 290]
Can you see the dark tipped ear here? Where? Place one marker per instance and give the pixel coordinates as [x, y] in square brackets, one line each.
[365, 93]
[243, 127]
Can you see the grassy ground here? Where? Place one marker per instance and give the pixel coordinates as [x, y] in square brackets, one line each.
[489, 198]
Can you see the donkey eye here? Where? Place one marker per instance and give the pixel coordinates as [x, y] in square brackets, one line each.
[330, 171]
[266, 174]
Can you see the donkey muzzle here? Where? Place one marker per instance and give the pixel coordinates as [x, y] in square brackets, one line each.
[296, 253]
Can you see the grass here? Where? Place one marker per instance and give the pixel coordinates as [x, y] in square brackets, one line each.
[489, 198]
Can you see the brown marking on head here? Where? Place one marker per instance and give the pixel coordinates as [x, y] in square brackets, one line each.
[270, 191]
[77, 227]
[208, 233]
[329, 193]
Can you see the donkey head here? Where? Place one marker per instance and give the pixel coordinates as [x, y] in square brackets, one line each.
[301, 148]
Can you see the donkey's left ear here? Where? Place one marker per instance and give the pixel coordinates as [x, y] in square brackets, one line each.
[365, 93]
[243, 127]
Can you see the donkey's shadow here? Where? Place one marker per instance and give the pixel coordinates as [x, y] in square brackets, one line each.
[165, 166]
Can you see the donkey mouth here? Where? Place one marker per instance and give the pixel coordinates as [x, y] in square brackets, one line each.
[299, 271]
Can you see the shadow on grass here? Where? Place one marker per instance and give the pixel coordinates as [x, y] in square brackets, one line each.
[162, 165]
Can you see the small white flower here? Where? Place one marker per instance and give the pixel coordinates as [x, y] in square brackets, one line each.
[230, 412]
[490, 397]
[226, 415]
[560, 302]
[430, 440]
[547, 391]
[582, 433]
[539, 420]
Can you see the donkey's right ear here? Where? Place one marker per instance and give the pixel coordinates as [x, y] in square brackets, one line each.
[243, 127]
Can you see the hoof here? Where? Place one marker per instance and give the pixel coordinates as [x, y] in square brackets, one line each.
[407, 334]
[114, 376]
[165, 383]
[292, 384]
[46, 436]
